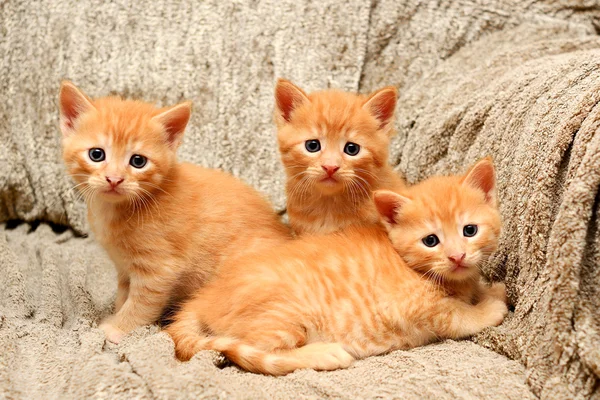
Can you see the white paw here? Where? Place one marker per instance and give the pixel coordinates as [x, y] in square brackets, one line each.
[495, 310]
[498, 291]
[113, 334]
[330, 356]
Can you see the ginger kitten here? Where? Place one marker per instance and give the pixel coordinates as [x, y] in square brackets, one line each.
[334, 146]
[323, 301]
[166, 225]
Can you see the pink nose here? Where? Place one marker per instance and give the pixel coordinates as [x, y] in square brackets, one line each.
[457, 258]
[330, 169]
[114, 181]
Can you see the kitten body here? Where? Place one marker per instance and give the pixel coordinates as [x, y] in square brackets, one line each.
[323, 301]
[334, 146]
[166, 226]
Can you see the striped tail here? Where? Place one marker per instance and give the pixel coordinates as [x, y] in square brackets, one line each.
[185, 332]
[319, 356]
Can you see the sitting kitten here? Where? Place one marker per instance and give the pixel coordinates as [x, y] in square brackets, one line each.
[323, 301]
[166, 225]
[334, 146]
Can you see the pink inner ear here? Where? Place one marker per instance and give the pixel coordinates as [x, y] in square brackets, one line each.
[288, 98]
[72, 105]
[174, 121]
[70, 114]
[482, 177]
[382, 106]
[388, 204]
[174, 126]
[68, 123]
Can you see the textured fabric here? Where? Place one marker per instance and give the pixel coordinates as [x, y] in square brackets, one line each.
[61, 286]
[533, 105]
[519, 80]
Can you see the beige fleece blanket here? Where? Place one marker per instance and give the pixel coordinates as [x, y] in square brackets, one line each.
[515, 79]
[57, 287]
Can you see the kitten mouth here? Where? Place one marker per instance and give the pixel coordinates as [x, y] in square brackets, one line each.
[329, 180]
[112, 192]
[458, 268]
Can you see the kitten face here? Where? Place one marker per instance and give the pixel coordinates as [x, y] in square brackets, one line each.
[331, 141]
[446, 226]
[118, 150]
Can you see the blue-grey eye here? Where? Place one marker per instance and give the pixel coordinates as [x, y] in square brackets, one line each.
[351, 149]
[312, 146]
[96, 154]
[431, 241]
[138, 161]
[470, 230]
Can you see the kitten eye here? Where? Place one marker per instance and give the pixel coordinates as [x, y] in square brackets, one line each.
[431, 241]
[351, 149]
[312, 145]
[138, 161]
[470, 230]
[96, 154]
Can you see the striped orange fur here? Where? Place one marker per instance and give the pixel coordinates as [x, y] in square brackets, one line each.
[322, 301]
[331, 187]
[166, 225]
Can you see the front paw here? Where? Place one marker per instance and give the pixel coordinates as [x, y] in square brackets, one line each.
[113, 334]
[498, 291]
[494, 311]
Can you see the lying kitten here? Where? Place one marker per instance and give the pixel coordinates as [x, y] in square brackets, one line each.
[334, 147]
[323, 301]
[166, 225]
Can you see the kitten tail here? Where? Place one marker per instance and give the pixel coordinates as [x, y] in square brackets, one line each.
[319, 356]
[185, 332]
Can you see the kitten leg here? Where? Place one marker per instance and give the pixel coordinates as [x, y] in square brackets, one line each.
[497, 290]
[122, 291]
[275, 347]
[147, 298]
[457, 319]
[317, 356]
[189, 333]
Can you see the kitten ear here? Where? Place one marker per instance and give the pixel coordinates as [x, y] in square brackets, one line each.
[381, 104]
[388, 204]
[482, 176]
[174, 120]
[288, 97]
[72, 102]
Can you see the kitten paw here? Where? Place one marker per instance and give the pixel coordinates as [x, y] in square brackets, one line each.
[329, 357]
[497, 291]
[113, 334]
[494, 311]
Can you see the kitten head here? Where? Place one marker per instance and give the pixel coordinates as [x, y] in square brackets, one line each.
[118, 150]
[445, 226]
[332, 141]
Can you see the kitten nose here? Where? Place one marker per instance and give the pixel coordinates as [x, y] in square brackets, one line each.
[330, 169]
[457, 258]
[114, 181]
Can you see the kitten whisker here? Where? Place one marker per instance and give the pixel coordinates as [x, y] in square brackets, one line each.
[348, 185]
[369, 173]
[298, 174]
[306, 186]
[296, 187]
[367, 184]
[355, 193]
[364, 190]
[152, 185]
[155, 202]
